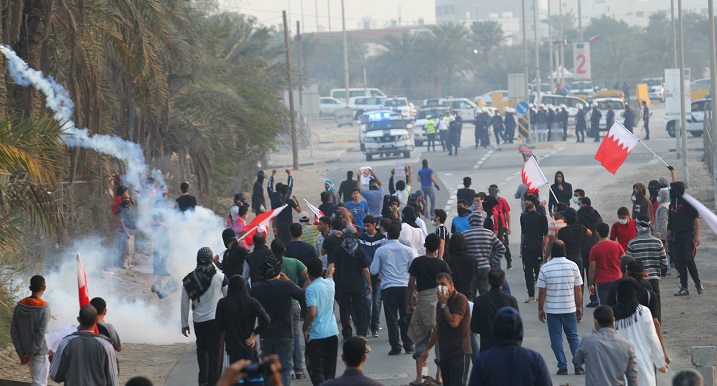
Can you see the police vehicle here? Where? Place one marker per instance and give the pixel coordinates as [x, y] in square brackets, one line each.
[385, 133]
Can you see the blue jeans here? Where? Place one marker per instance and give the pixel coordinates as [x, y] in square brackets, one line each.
[475, 346]
[557, 323]
[373, 308]
[428, 192]
[284, 349]
[298, 353]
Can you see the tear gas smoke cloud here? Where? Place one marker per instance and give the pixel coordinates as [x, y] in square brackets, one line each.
[180, 235]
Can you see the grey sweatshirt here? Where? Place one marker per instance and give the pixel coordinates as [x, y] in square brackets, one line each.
[29, 326]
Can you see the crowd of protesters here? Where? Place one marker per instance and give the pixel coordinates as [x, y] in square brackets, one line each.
[443, 289]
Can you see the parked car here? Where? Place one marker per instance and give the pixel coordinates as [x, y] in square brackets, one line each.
[695, 120]
[465, 107]
[583, 87]
[340, 93]
[618, 106]
[655, 88]
[328, 106]
[419, 129]
[571, 103]
[400, 105]
[366, 103]
[487, 98]
[385, 133]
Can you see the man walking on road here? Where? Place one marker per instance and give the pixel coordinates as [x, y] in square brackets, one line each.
[648, 250]
[28, 329]
[560, 301]
[392, 261]
[683, 237]
[484, 246]
[258, 202]
[347, 186]
[371, 240]
[427, 178]
[646, 119]
[534, 233]
[486, 308]
[320, 329]
[604, 268]
[609, 358]
[590, 218]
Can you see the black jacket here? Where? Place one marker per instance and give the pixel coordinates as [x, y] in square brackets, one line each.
[233, 260]
[256, 261]
[507, 363]
[257, 196]
[564, 195]
[237, 321]
[485, 308]
[590, 218]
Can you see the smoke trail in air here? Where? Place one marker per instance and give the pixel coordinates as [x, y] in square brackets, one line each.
[180, 235]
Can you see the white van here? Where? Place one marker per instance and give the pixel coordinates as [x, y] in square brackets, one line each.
[340, 93]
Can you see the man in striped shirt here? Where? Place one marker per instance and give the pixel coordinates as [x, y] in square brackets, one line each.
[560, 301]
[648, 250]
[484, 245]
[85, 358]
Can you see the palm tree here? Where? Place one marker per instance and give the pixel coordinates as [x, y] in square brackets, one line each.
[486, 36]
[448, 43]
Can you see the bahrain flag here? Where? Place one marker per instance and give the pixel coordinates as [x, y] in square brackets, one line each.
[532, 175]
[615, 147]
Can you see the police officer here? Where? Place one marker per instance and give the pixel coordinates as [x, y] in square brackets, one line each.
[552, 119]
[580, 124]
[564, 116]
[509, 122]
[610, 118]
[497, 123]
[430, 127]
[595, 116]
[646, 119]
[629, 118]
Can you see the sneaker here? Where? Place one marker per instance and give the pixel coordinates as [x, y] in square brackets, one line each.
[579, 371]
[531, 300]
[699, 289]
[563, 372]
[510, 265]
[300, 375]
[592, 304]
[395, 351]
[410, 350]
[682, 292]
[375, 334]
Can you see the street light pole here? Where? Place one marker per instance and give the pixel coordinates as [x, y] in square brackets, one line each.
[346, 53]
[550, 42]
[292, 111]
[713, 93]
[683, 118]
[580, 19]
[536, 10]
[525, 67]
[328, 8]
[678, 148]
[562, 45]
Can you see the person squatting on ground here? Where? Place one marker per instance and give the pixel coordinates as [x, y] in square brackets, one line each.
[28, 328]
[202, 289]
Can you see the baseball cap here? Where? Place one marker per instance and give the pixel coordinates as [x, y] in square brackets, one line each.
[304, 217]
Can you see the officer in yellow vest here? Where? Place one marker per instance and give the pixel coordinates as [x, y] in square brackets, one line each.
[430, 127]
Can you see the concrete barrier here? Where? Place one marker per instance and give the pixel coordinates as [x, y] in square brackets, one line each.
[704, 358]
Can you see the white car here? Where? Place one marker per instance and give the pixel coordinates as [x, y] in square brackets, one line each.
[386, 134]
[419, 130]
[571, 103]
[328, 106]
[366, 103]
[465, 107]
[400, 105]
[655, 88]
[583, 87]
[695, 120]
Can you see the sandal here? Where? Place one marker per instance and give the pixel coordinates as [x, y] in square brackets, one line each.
[416, 383]
[430, 381]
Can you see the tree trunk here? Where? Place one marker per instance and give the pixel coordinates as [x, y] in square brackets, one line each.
[37, 17]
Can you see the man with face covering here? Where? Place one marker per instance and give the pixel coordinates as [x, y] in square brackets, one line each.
[502, 222]
[641, 205]
[563, 191]
[507, 363]
[485, 247]
[258, 202]
[202, 289]
[683, 237]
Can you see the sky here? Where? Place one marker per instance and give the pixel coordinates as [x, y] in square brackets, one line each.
[381, 12]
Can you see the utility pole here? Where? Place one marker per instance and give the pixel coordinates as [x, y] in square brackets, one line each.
[316, 11]
[328, 7]
[346, 53]
[562, 45]
[713, 93]
[536, 10]
[683, 118]
[292, 116]
[525, 67]
[300, 50]
[550, 42]
[678, 148]
[580, 20]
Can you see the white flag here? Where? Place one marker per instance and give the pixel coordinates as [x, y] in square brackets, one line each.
[532, 175]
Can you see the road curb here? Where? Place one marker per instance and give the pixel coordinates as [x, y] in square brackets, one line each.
[339, 155]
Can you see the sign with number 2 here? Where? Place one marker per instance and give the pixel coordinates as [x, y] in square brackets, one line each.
[581, 60]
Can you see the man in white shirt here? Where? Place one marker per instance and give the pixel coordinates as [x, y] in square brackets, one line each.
[203, 287]
[391, 261]
[560, 301]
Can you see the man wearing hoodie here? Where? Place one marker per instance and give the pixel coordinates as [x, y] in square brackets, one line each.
[507, 363]
[661, 213]
[649, 250]
[351, 274]
[484, 245]
[459, 224]
[590, 218]
[641, 205]
[258, 202]
[683, 237]
[28, 328]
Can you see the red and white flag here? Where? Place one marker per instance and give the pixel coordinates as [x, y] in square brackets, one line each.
[314, 209]
[84, 291]
[615, 147]
[260, 224]
[532, 175]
